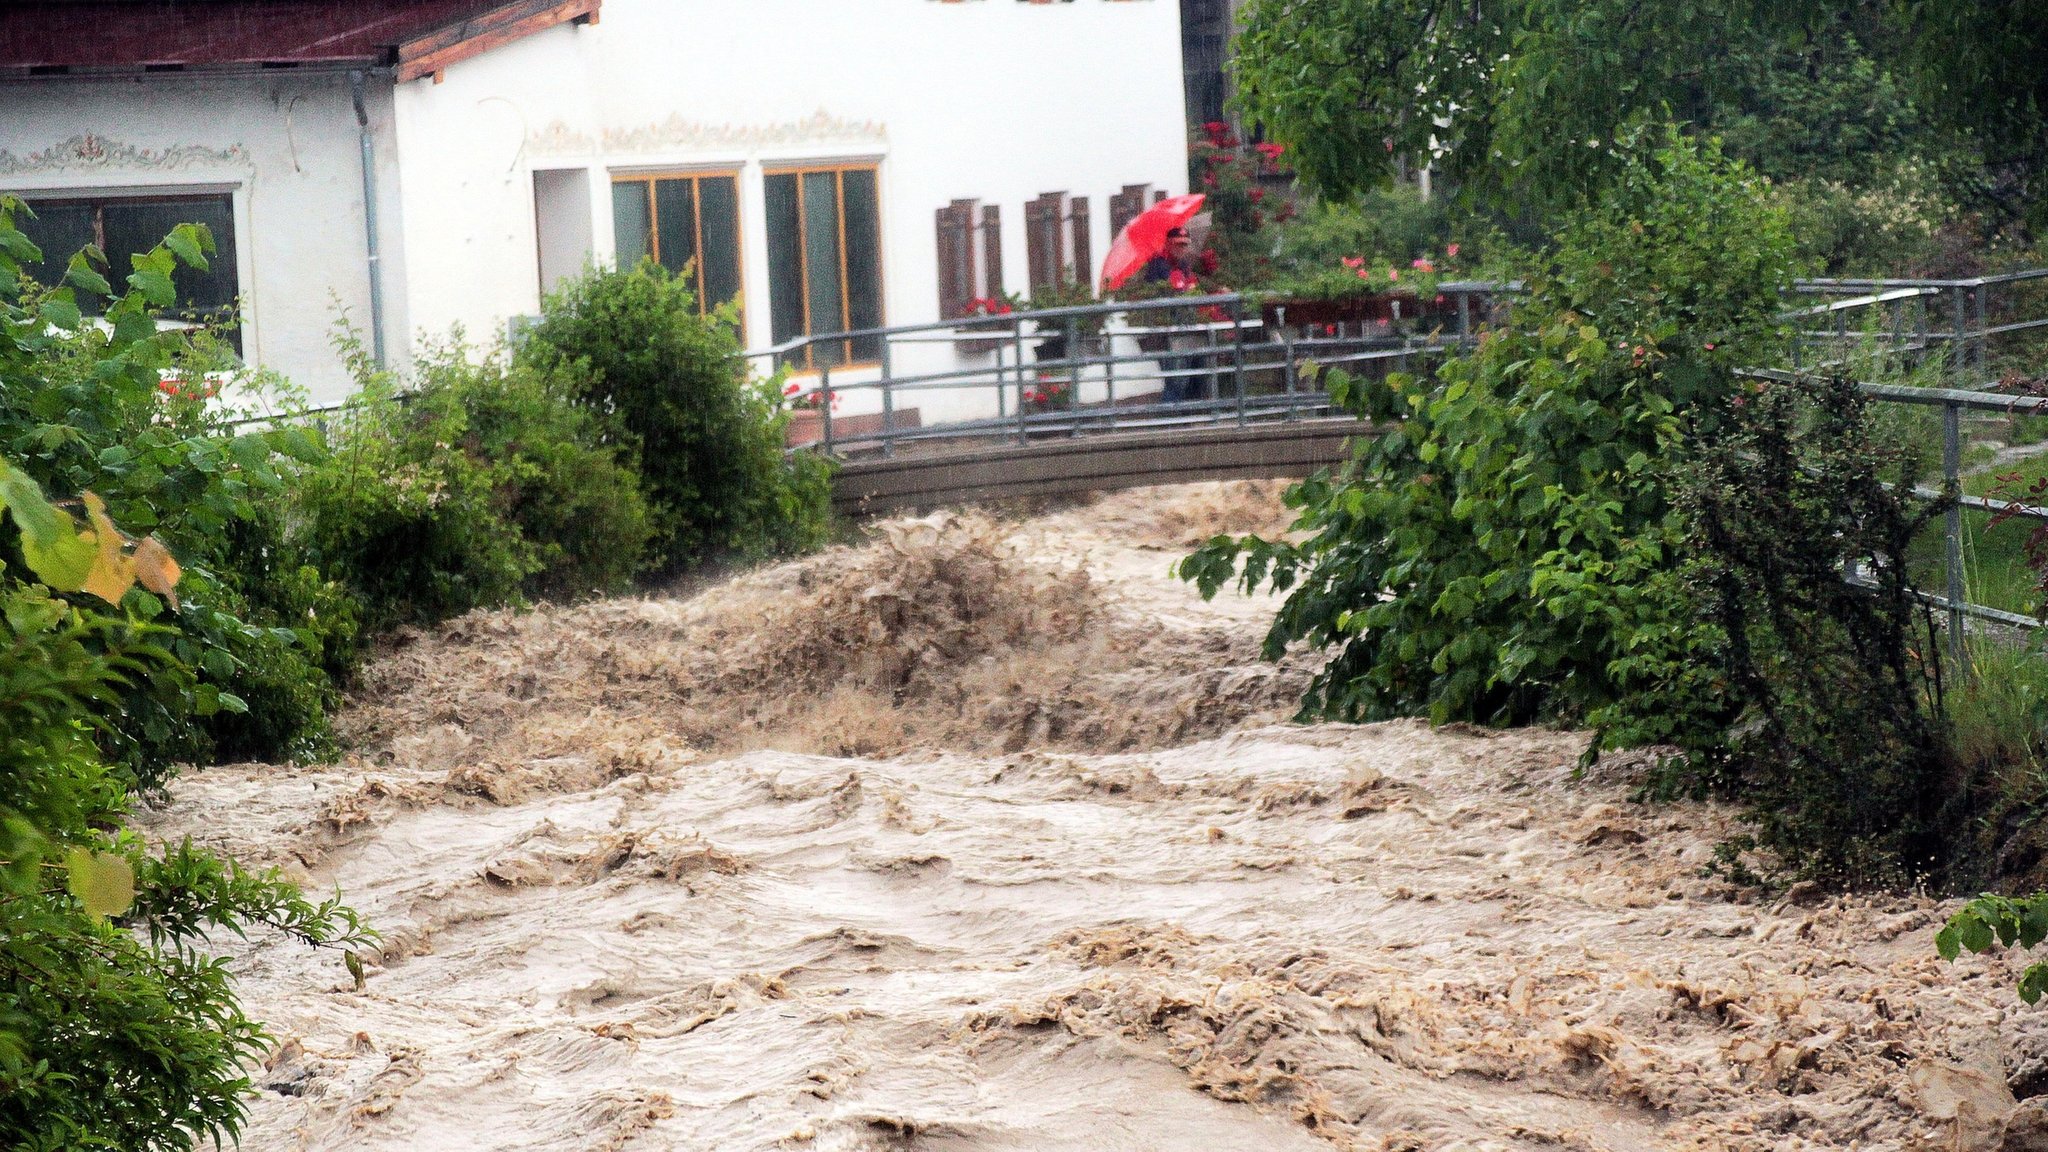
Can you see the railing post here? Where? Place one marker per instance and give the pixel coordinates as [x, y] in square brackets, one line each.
[1952, 484]
[1982, 293]
[1208, 378]
[1287, 372]
[1074, 374]
[1017, 342]
[888, 404]
[1108, 370]
[1960, 348]
[825, 404]
[1464, 316]
[1237, 354]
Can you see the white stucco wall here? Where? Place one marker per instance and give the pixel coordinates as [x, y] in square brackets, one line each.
[285, 145]
[988, 99]
[992, 100]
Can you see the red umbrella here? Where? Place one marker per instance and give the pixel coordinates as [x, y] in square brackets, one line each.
[1145, 237]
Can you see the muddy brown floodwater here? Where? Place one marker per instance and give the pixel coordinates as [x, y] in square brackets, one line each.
[989, 835]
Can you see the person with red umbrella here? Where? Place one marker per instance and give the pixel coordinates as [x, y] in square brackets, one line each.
[1156, 242]
[1148, 236]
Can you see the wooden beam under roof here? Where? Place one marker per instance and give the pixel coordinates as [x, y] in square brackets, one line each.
[428, 55]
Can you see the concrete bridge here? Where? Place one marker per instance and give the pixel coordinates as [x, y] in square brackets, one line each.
[1123, 459]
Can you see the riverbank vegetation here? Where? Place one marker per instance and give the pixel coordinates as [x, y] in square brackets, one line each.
[623, 441]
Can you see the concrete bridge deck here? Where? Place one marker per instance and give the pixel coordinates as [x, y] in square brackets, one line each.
[1063, 464]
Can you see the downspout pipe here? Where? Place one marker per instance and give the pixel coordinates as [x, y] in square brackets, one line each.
[376, 260]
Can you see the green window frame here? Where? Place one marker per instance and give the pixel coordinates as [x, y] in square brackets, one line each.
[689, 222]
[825, 260]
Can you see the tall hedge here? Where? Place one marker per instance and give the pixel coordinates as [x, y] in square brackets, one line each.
[674, 391]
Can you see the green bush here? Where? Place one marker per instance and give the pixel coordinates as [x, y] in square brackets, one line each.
[672, 389]
[121, 410]
[1594, 520]
[116, 1029]
[1494, 556]
[483, 485]
[1842, 761]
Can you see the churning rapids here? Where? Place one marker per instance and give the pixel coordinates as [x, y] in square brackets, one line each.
[990, 835]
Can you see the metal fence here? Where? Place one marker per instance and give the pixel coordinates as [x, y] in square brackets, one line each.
[1220, 358]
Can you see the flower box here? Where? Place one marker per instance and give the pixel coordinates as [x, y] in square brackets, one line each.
[1372, 309]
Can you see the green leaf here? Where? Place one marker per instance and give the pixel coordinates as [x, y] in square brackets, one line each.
[80, 274]
[185, 242]
[155, 286]
[62, 312]
[50, 542]
[102, 882]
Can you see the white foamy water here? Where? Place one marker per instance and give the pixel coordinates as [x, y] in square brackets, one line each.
[994, 837]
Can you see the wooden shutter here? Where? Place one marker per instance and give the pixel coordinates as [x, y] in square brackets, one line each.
[992, 249]
[1125, 206]
[956, 258]
[1084, 257]
[1043, 251]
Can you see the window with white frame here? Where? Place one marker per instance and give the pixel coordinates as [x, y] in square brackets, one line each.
[126, 225]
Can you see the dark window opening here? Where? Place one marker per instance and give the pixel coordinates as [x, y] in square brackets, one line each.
[690, 225]
[825, 261]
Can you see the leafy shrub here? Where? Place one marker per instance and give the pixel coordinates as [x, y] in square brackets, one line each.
[118, 409]
[1594, 520]
[483, 485]
[116, 1031]
[673, 391]
[1494, 555]
[1844, 768]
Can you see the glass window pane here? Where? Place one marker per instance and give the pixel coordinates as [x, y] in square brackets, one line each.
[136, 226]
[863, 262]
[59, 230]
[718, 201]
[785, 257]
[632, 227]
[821, 256]
[675, 224]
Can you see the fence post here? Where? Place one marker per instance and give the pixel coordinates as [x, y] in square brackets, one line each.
[1237, 354]
[825, 403]
[1983, 334]
[1074, 374]
[1952, 484]
[1017, 342]
[888, 404]
[1960, 350]
[1464, 316]
[1287, 372]
[1208, 379]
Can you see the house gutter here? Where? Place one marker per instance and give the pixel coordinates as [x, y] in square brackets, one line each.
[375, 257]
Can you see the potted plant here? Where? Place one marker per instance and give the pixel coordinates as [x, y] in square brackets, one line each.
[987, 314]
[1049, 395]
[807, 408]
[1358, 289]
[1052, 343]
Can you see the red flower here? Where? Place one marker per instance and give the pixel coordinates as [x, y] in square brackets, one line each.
[1393, 273]
[1258, 194]
[1208, 262]
[1354, 261]
[1423, 265]
[1451, 251]
[1271, 151]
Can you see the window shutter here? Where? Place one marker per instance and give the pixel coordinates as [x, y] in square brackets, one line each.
[1125, 206]
[1043, 251]
[956, 258]
[992, 249]
[1084, 257]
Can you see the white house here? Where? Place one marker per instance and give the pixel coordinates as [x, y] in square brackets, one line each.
[832, 164]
